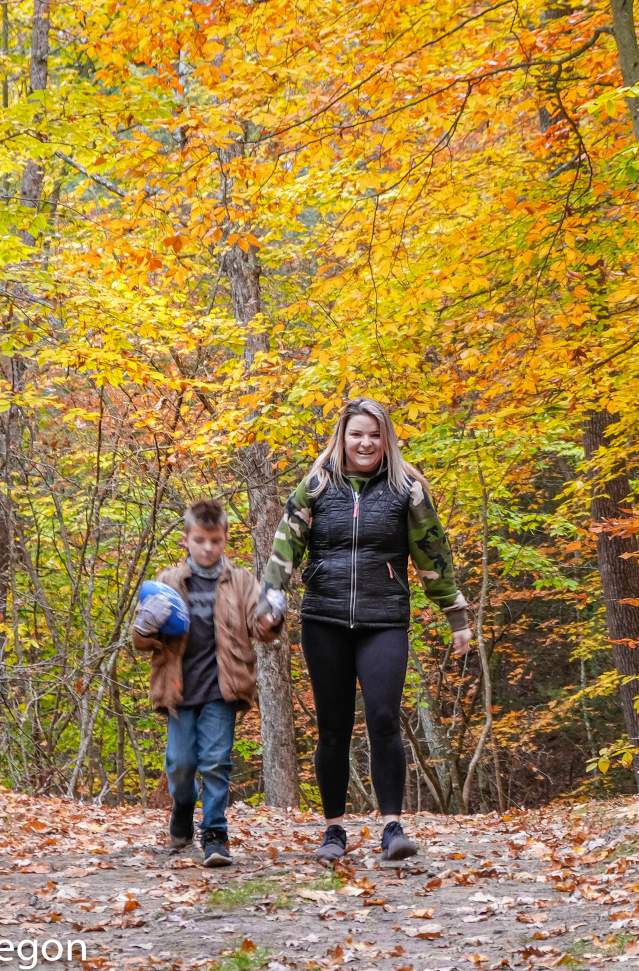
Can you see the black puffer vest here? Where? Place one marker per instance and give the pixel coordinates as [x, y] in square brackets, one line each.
[358, 557]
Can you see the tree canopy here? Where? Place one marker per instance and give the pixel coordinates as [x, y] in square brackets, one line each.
[440, 204]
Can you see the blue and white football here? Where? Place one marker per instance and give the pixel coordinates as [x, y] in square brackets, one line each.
[178, 620]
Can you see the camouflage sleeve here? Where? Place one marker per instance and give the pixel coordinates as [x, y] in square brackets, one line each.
[430, 552]
[289, 544]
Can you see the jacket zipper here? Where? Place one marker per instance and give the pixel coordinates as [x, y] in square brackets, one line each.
[356, 499]
[311, 575]
[394, 576]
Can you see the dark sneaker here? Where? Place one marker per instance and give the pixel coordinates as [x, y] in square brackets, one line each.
[181, 826]
[395, 845]
[215, 845]
[333, 846]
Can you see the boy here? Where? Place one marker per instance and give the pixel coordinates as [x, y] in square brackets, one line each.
[200, 679]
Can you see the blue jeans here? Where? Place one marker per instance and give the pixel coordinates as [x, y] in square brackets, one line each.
[200, 740]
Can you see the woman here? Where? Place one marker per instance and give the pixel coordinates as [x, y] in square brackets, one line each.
[361, 512]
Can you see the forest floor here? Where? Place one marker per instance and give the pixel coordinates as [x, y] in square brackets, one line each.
[551, 888]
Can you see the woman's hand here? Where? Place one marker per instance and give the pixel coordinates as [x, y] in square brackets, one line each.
[271, 611]
[461, 641]
[265, 624]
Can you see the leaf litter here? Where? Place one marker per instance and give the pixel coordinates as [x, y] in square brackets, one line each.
[550, 888]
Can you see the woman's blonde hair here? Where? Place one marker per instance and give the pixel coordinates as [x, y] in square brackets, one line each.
[330, 466]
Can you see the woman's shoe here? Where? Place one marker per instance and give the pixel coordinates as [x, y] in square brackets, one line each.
[395, 844]
[334, 845]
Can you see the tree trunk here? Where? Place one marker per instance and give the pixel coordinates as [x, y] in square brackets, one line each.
[279, 758]
[5, 51]
[430, 777]
[481, 650]
[628, 49]
[33, 177]
[619, 570]
[11, 426]
[619, 576]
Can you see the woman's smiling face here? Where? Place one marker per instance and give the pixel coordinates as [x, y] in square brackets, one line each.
[362, 444]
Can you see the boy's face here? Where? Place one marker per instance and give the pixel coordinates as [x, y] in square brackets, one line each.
[205, 546]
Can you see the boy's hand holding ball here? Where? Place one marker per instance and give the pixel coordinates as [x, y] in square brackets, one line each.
[153, 612]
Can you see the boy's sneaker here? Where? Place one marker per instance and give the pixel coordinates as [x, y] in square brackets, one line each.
[215, 845]
[181, 826]
[395, 844]
[333, 846]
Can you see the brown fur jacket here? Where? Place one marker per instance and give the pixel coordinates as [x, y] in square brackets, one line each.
[235, 624]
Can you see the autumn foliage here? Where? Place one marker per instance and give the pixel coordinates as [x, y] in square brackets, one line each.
[440, 203]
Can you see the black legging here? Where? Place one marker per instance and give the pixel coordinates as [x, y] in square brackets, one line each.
[337, 657]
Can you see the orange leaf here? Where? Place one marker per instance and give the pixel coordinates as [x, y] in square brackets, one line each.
[175, 242]
[36, 825]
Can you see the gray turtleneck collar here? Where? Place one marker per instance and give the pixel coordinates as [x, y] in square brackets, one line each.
[208, 572]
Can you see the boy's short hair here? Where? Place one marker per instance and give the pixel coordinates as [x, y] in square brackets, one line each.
[207, 513]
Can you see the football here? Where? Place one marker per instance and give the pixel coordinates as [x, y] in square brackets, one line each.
[178, 620]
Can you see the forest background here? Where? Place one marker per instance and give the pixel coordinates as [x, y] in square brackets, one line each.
[222, 220]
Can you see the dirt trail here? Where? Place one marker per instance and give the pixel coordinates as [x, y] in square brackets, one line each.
[545, 889]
